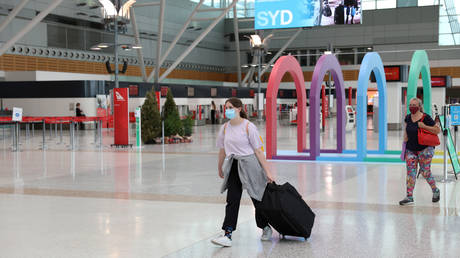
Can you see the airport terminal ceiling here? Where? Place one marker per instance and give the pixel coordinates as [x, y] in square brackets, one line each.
[381, 32]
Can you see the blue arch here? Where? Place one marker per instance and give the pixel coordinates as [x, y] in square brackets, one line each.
[371, 63]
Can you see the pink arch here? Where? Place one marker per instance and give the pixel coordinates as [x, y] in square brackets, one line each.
[285, 64]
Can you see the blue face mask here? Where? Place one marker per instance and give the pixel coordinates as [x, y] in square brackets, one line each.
[230, 113]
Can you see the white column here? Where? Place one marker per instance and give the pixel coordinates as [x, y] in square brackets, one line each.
[394, 105]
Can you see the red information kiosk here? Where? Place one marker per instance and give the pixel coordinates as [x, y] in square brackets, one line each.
[121, 117]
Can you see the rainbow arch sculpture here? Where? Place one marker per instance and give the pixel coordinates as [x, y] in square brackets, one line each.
[371, 63]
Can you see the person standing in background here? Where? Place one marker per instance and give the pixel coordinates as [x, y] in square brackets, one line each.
[79, 113]
[213, 112]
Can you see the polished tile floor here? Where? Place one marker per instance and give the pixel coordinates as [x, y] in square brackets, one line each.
[103, 202]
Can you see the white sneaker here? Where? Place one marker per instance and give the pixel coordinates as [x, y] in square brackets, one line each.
[222, 241]
[267, 233]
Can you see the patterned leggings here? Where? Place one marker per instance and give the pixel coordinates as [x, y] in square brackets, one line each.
[424, 159]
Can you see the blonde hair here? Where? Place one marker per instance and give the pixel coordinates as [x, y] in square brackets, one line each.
[419, 101]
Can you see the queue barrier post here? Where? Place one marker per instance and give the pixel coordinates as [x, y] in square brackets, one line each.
[51, 130]
[27, 130]
[60, 132]
[95, 132]
[43, 134]
[99, 128]
[15, 137]
[72, 133]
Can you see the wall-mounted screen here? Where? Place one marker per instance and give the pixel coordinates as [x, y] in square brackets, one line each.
[281, 14]
[395, 73]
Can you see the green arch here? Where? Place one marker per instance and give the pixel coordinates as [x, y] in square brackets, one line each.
[420, 65]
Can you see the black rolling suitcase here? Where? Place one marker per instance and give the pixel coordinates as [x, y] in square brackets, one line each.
[286, 211]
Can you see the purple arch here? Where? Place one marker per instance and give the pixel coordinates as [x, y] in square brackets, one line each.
[326, 63]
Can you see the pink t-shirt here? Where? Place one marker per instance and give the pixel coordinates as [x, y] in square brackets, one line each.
[236, 140]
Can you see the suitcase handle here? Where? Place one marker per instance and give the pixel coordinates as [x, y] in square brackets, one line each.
[272, 186]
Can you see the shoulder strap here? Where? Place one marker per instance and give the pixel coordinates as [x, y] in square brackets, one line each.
[247, 128]
[423, 117]
[225, 127]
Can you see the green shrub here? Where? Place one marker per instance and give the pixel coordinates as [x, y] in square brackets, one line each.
[150, 118]
[173, 124]
[188, 123]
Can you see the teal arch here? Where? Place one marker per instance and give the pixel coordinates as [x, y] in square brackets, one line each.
[420, 65]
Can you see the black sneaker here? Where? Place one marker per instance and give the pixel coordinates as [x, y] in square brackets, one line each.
[436, 195]
[407, 201]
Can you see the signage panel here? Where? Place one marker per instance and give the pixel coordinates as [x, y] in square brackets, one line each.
[121, 116]
[455, 114]
[164, 91]
[17, 114]
[133, 90]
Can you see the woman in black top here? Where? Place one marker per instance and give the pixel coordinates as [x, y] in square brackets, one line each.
[213, 112]
[416, 153]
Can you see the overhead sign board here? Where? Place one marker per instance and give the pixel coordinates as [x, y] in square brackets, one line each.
[281, 14]
[441, 81]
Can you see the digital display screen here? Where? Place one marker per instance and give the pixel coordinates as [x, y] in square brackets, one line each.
[279, 14]
[438, 81]
[392, 73]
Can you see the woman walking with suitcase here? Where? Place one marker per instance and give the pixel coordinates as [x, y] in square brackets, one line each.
[242, 165]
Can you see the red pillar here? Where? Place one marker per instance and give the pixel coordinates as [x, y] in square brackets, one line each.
[350, 95]
[158, 95]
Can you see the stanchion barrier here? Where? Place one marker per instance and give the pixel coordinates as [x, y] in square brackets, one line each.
[71, 120]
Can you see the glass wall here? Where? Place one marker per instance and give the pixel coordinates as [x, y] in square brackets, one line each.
[385, 4]
[449, 23]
